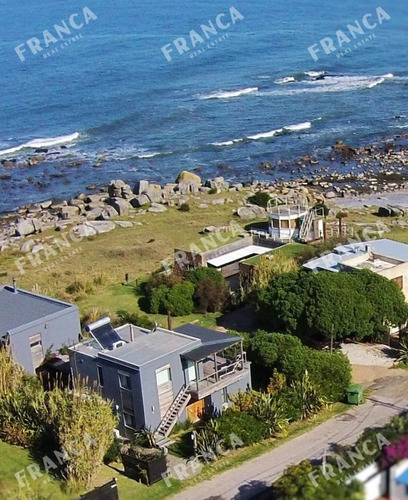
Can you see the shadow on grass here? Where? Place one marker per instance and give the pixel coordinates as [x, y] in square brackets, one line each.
[244, 319]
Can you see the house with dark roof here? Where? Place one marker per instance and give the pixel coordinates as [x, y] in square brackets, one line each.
[31, 323]
[159, 377]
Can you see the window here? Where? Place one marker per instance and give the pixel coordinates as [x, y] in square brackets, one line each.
[163, 375]
[225, 395]
[124, 381]
[100, 375]
[275, 223]
[285, 224]
[129, 419]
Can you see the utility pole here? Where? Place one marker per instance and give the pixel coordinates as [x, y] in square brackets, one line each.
[331, 339]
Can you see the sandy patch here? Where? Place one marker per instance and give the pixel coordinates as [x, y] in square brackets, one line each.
[370, 355]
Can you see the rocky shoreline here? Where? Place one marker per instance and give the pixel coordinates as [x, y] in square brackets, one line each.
[374, 170]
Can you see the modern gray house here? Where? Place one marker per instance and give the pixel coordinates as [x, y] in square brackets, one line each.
[156, 378]
[31, 324]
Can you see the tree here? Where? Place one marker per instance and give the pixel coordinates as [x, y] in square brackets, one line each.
[282, 303]
[284, 354]
[200, 274]
[358, 304]
[210, 296]
[179, 299]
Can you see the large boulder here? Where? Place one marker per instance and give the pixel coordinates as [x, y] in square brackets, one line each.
[218, 183]
[25, 227]
[141, 187]
[119, 189]
[140, 200]
[108, 213]
[157, 208]
[154, 192]
[100, 226]
[120, 205]
[188, 177]
[251, 212]
[69, 212]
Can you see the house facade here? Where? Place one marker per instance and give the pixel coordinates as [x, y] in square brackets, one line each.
[31, 324]
[157, 378]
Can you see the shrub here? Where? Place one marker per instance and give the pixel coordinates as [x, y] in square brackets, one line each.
[260, 198]
[113, 452]
[11, 374]
[246, 428]
[184, 207]
[311, 402]
[330, 373]
[135, 319]
[243, 401]
[200, 274]
[213, 190]
[278, 354]
[269, 410]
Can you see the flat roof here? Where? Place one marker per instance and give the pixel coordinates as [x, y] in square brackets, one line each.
[150, 345]
[21, 308]
[237, 255]
[383, 248]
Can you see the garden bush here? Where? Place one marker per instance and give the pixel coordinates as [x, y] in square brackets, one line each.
[245, 427]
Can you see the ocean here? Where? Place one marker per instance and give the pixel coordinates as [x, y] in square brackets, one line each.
[140, 90]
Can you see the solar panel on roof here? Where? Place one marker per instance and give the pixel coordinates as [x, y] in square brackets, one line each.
[104, 334]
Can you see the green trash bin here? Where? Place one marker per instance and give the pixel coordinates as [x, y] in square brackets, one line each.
[355, 394]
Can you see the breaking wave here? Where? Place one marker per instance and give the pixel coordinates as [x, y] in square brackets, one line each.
[266, 135]
[229, 94]
[42, 143]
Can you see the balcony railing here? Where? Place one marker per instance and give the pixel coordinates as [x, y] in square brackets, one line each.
[220, 378]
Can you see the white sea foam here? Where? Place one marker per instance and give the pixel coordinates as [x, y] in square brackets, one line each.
[229, 94]
[41, 143]
[286, 79]
[265, 135]
[314, 74]
[298, 126]
[341, 83]
[221, 144]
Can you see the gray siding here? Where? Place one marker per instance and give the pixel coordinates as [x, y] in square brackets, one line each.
[60, 329]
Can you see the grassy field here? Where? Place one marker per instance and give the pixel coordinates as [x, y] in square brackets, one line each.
[90, 273]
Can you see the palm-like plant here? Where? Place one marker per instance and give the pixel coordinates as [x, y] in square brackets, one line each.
[403, 353]
[311, 402]
[269, 410]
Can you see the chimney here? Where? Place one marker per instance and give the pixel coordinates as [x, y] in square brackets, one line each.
[15, 286]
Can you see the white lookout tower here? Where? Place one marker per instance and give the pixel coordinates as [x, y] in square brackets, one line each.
[290, 218]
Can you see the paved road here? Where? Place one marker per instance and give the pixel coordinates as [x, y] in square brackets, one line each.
[390, 397]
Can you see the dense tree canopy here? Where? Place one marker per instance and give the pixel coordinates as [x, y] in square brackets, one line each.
[358, 304]
[203, 289]
[285, 354]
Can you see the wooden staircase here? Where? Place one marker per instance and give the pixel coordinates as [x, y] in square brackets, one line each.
[171, 416]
